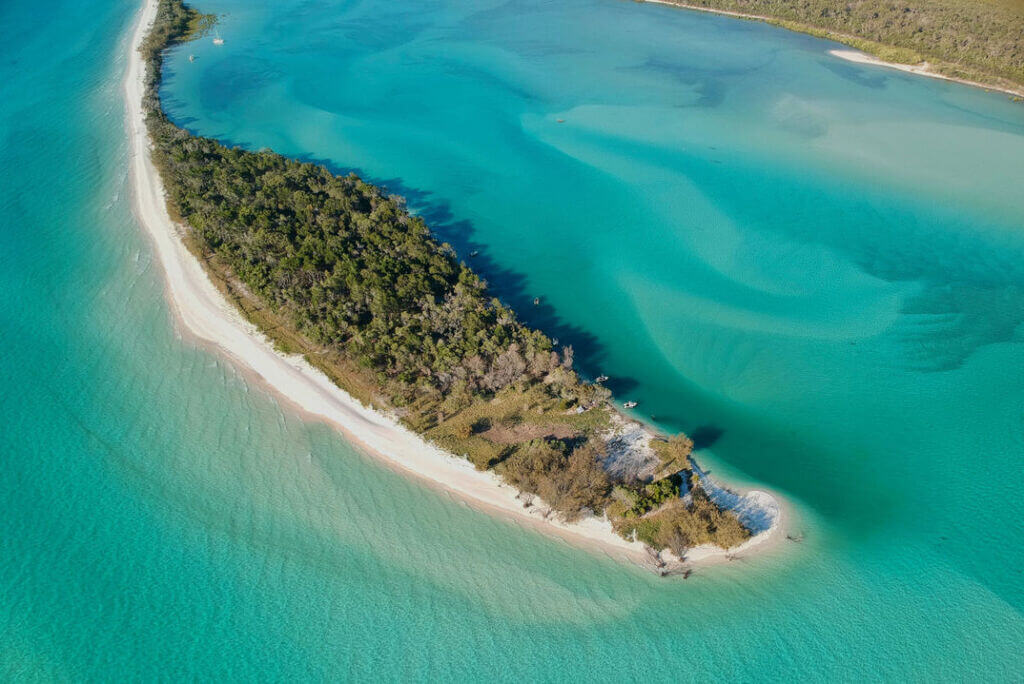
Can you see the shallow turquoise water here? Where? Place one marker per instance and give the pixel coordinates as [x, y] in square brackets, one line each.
[813, 266]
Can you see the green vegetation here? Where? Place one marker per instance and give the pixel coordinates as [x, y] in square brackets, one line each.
[333, 268]
[681, 524]
[636, 502]
[656, 515]
[971, 39]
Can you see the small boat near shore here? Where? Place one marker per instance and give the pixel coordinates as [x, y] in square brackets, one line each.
[601, 378]
[630, 404]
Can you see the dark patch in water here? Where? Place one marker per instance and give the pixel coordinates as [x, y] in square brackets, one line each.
[705, 436]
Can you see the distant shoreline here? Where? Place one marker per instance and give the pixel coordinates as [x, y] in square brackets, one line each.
[203, 311]
[851, 55]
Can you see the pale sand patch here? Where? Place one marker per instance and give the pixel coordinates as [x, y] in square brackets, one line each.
[206, 314]
[628, 444]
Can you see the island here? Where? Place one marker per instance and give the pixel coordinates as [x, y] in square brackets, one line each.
[379, 327]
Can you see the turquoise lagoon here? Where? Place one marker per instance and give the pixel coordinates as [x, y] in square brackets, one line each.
[816, 268]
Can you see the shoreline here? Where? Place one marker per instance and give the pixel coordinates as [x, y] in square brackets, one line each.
[849, 54]
[859, 57]
[202, 311]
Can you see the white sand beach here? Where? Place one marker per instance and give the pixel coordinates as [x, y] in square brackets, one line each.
[204, 313]
[699, 8]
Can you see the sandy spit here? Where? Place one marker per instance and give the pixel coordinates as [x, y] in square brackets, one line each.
[203, 312]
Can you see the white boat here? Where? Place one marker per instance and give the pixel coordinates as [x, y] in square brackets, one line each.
[629, 404]
[191, 58]
[218, 41]
[601, 378]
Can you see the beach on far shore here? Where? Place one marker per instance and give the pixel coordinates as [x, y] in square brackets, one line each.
[202, 311]
[919, 69]
[849, 54]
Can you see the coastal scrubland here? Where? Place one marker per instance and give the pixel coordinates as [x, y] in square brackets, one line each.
[338, 270]
[978, 40]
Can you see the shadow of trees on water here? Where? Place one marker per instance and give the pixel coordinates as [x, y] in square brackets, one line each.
[508, 285]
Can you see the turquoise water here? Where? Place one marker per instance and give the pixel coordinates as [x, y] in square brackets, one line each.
[814, 267]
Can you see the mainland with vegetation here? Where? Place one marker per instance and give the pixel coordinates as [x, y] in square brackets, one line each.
[337, 270]
[975, 40]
